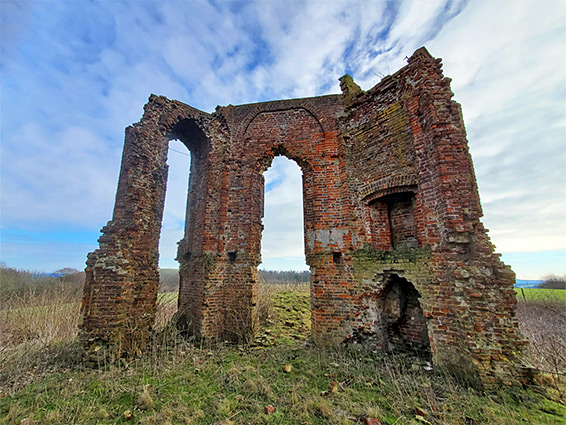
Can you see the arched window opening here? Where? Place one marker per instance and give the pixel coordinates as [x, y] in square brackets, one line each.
[173, 224]
[284, 277]
[283, 232]
[403, 321]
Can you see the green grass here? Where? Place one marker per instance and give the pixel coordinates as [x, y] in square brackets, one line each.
[290, 319]
[541, 294]
[167, 297]
[228, 385]
[180, 383]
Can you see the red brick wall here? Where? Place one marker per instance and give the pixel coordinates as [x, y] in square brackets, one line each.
[401, 207]
[389, 193]
[392, 221]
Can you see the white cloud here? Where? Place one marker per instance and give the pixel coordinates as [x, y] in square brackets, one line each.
[510, 77]
[73, 79]
[62, 178]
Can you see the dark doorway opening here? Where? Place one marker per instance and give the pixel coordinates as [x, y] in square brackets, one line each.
[405, 326]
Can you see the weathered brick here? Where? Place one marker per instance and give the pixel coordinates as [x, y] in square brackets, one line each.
[399, 258]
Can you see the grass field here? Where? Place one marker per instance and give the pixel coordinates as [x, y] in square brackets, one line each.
[234, 386]
[42, 381]
[541, 294]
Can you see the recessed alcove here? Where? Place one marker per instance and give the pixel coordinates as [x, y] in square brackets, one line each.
[403, 323]
[392, 221]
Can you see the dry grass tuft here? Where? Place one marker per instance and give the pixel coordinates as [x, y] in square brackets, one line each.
[42, 319]
[38, 334]
[166, 308]
[543, 323]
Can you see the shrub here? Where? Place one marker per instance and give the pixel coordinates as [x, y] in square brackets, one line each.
[554, 282]
[543, 323]
[26, 284]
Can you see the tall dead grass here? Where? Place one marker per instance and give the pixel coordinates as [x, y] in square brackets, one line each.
[38, 334]
[39, 329]
[39, 319]
[543, 324]
[166, 308]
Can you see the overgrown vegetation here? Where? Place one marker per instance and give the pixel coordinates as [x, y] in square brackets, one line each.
[178, 381]
[285, 276]
[542, 315]
[554, 282]
[21, 283]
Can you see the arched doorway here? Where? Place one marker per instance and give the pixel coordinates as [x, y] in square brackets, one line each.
[174, 211]
[282, 245]
[404, 328]
[283, 276]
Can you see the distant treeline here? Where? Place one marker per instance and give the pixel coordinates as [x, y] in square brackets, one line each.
[170, 278]
[286, 276]
[553, 281]
[14, 282]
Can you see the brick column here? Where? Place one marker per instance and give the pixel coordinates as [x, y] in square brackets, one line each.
[122, 276]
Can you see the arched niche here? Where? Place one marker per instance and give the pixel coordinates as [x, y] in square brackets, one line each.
[403, 325]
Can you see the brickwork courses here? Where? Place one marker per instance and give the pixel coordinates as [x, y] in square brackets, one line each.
[399, 259]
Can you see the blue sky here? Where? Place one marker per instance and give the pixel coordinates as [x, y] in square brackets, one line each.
[74, 74]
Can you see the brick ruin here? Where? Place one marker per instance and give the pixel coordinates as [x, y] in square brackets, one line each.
[399, 259]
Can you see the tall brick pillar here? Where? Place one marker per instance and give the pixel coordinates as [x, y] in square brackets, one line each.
[122, 276]
[472, 300]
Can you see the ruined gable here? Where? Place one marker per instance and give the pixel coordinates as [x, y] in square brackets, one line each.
[398, 256]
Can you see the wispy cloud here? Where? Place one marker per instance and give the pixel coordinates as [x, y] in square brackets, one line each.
[510, 76]
[74, 74]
